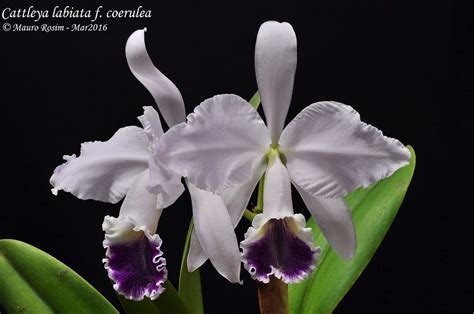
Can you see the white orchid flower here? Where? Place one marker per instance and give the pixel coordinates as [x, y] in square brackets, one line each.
[326, 152]
[125, 166]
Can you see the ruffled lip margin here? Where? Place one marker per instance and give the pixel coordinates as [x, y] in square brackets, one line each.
[291, 264]
[122, 250]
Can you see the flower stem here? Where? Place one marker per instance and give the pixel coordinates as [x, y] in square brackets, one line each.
[273, 296]
[261, 184]
[249, 215]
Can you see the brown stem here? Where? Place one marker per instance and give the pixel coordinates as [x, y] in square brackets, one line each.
[273, 296]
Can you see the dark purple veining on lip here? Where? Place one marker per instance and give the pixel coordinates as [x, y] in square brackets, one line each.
[281, 248]
[137, 267]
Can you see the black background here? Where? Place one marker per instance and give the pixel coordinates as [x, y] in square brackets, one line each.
[402, 65]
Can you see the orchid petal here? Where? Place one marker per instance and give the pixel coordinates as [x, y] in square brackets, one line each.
[236, 200]
[164, 92]
[277, 202]
[166, 184]
[151, 123]
[215, 232]
[105, 170]
[141, 205]
[334, 220]
[330, 152]
[281, 247]
[134, 258]
[196, 256]
[275, 66]
[222, 144]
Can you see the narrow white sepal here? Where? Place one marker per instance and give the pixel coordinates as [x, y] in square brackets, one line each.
[164, 92]
[275, 67]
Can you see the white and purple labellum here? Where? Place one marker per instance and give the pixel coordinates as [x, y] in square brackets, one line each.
[280, 247]
[134, 259]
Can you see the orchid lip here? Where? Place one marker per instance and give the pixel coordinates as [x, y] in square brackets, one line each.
[281, 247]
[134, 259]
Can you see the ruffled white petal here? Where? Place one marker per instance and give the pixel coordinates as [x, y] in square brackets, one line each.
[215, 232]
[222, 144]
[275, 66]
[330, 152]
[165, 93]
[151, 123]
[277, 202]
[334, 220]
[166, 184]
[104, 171]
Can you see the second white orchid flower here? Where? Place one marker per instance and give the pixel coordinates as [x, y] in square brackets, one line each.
[125, 166]
[326, 152]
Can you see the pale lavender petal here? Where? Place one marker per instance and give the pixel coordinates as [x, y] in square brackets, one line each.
[196, 256]
[329, 152]
[335, 221]
[150, 120]
[215, 232]
[236, 200]
[164, 183]
[105, 170]
[221, 146]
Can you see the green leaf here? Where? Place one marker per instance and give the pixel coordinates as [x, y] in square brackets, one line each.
[136, 307]
[255, 100]
[168, 302]
[373, 210]
[297, 291]
[33, 281]
[190, 283]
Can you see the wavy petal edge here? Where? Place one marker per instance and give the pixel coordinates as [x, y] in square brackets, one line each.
[113, 228]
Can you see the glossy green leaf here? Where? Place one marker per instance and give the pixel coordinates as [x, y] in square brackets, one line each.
[373, 210]
[190, 283]
[33, 281]
[136, 307]
[168, 302]
[297, 291]
[255, 100]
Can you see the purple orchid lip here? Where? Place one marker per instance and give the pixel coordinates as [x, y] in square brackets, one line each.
[280, 247]
[135, 263]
